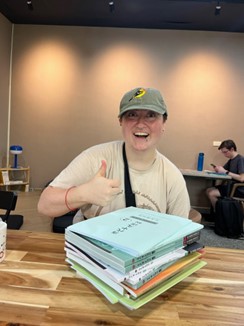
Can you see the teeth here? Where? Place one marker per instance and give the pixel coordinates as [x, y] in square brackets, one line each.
[141, 134]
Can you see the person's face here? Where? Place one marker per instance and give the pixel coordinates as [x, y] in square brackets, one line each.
[227, 152]
[142, 128]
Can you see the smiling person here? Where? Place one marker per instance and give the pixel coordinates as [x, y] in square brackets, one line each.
[234, 167]
[93, 182]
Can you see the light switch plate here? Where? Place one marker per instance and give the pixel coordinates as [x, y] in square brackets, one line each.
[216, 143]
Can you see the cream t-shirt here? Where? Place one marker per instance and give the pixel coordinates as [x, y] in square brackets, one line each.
[160, 188]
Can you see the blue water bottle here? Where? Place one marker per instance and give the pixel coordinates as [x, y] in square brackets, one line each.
[200, 161]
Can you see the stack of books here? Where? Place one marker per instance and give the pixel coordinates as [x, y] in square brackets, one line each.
[133, 255]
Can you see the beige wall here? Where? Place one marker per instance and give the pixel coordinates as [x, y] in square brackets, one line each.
[68, 81]
[5, 48]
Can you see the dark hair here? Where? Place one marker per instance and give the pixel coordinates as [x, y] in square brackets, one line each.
[165, 117]
[229, 144]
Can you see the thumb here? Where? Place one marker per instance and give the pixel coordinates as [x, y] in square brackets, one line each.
[102, 171]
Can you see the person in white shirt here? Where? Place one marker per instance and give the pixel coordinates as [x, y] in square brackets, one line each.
[93, 182]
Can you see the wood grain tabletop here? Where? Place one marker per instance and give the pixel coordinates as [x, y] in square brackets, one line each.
[37, 287]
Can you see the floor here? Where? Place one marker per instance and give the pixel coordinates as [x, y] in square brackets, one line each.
[27, 206]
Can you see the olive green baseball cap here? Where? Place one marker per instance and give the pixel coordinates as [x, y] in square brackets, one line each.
[143, 99]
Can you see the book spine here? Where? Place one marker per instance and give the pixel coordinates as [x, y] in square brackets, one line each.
[157, 262]
[148, 277]
[171, 270]
[125, 266]
[95, 252]
[177, 244]
[191, 238]
[144, 273]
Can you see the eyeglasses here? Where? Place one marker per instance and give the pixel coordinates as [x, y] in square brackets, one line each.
[226, 151]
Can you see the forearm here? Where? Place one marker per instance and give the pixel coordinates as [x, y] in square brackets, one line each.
[234, 176]
[98, 191]
[237, 177]
[56, 201]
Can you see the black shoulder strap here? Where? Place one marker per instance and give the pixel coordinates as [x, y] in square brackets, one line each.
[129, 195]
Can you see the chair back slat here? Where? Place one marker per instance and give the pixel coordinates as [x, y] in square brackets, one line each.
[8, 200]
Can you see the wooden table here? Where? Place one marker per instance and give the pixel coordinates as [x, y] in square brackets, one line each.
[37, 287]
[197, 182]
[205, 174]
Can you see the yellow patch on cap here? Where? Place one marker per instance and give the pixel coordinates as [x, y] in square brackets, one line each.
[139, 93]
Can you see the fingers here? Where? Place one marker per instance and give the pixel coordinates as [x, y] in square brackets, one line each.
[115, 183]
[103, 190]
[109, 195]
[102, 171]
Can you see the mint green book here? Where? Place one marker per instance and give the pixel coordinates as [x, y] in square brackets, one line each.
[126, 229]
[118, 259]
[126, 300]
[118, 280]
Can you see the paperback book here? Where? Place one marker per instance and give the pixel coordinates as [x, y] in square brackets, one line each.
[134, 225]
[136, 277]
[123, 259]
[120, 260]
[134, 303]
[132, 255]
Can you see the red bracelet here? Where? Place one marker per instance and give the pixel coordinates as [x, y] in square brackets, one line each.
[66, 201]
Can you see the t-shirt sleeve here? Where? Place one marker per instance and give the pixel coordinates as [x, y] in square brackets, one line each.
[179, 202]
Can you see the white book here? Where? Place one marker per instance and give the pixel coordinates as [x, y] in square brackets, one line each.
[109, 271]
[5, 177]
[135, 281]
[14, 182]
[150, 268]
[133, 276]
[95, 271]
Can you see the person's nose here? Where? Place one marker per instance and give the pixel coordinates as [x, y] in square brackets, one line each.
[141, 120]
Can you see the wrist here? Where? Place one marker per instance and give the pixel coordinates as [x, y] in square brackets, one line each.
[227, 172]
[66, 201]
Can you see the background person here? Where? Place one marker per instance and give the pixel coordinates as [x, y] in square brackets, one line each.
[234, 167]
[94, 181]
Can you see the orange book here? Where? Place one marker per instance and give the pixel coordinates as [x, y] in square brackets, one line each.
[178, 266]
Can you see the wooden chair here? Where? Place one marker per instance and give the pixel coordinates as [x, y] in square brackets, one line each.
[234, 187]
[195, 216]
[8, 201]
[232, 193]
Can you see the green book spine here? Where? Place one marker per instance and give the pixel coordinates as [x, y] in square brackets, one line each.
[118, 259]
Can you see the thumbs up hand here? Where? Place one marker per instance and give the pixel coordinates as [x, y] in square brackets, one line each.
[101, 190]
[102, 171]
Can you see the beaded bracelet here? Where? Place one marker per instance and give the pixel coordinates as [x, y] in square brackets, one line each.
[66, 201]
